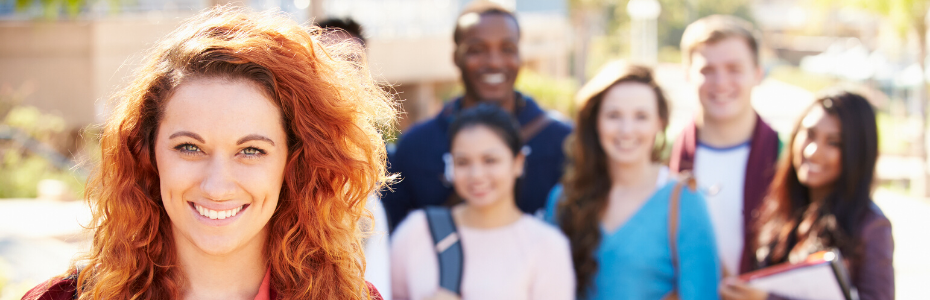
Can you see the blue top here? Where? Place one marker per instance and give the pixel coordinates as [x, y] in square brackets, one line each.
[634, 262]
[418, 160]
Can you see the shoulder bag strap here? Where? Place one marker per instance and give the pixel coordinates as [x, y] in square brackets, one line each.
[448, 247]
[674, 204]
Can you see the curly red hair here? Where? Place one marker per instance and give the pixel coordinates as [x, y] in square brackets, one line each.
[332, 111]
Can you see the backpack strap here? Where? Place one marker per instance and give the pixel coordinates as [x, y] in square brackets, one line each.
[448, 247]
[74, 277]
[532, 128]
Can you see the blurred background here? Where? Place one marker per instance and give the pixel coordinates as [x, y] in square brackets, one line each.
[61, 60]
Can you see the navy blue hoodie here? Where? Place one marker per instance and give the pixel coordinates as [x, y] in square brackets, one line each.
[418, 160]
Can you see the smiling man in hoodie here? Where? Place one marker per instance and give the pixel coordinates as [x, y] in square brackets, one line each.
[487, 53]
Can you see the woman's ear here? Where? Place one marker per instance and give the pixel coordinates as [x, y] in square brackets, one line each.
[518, 162]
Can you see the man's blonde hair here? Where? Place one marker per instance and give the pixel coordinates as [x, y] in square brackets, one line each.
[715, 28]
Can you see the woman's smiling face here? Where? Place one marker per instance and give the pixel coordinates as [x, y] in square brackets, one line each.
[817, 150]
[220, 151]
[628, 122]
[485, 169]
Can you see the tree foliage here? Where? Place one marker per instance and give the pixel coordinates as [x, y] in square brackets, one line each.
[54, 9]
[675, 16]
[905, 14]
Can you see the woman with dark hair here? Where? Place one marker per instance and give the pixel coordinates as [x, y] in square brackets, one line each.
[616, 200]
[236, 166]
[821, 199]
[505, 254]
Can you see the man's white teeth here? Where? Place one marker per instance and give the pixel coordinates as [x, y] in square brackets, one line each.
[494, 78]
[222, 214]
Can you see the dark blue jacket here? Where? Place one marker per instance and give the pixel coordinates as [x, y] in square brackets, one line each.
[418, 160]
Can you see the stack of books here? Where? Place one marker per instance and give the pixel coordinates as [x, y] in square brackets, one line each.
[822, 276]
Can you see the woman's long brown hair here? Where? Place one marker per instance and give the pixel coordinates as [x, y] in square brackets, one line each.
[331, 110]
[834, 221]
[587, 181]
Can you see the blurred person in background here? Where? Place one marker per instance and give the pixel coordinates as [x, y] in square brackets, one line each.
[729, 149]
[506, 254]
[337, 32]
[487, 53]
[821, 199]
[236, 166]
[616, 199]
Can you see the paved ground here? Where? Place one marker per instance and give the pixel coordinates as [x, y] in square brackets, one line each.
[910, 219]
[38, 239]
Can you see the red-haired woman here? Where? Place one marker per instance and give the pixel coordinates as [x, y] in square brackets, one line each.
[821, 199]
[235, 166]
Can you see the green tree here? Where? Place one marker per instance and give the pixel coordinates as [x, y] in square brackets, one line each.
[608, 18]
[677, 14]
[54, 9]
[907, 16]
[552, 93]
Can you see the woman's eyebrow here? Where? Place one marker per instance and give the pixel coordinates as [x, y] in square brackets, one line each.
[187, 134]
[254, 137]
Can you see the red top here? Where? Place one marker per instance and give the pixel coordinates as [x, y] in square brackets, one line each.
[264, 290]
[65, 289]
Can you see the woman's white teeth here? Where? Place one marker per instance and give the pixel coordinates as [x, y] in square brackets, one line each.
[221, 214]
[493, 78]
[813, 168]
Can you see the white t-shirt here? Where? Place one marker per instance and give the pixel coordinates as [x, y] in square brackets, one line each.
[526, 260]
[378, 263]
[720, 174]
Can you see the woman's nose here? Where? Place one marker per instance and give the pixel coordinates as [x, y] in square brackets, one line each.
[810, 149]
[626, 125]
[218, 183]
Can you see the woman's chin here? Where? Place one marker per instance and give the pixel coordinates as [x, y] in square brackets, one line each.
[813, 183]
[216, 247]
[627, 157]
[812, 180]
[480, 202]
[217, 244]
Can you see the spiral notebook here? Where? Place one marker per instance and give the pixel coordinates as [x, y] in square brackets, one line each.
[822, 276]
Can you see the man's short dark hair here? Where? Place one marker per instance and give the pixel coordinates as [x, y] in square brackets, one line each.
[482, 8]
[346, 24]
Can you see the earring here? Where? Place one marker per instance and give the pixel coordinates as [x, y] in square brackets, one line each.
[448, 170]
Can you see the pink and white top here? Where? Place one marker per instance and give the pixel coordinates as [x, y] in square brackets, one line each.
[527, 259]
